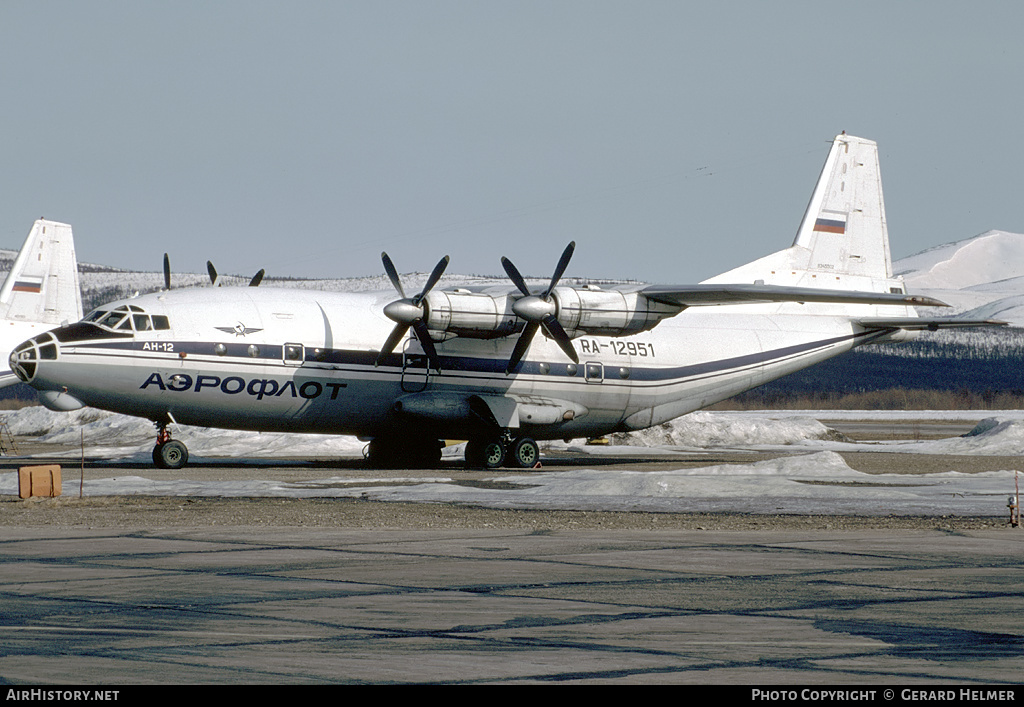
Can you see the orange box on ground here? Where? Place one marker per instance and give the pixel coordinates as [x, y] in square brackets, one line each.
[39, 481]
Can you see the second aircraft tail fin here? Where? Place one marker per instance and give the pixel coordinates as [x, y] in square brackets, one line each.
[42, 285]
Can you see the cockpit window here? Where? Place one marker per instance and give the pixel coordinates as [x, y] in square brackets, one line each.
[112, 320]
[127, 318]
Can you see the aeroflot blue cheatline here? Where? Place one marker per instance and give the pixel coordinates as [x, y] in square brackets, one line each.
[467, 364]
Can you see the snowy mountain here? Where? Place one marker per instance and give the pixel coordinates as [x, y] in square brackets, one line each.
[980, 277]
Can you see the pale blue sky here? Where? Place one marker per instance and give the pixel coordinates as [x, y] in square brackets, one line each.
[670, 140]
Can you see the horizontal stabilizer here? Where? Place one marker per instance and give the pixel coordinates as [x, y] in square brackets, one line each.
[707, 295]
[922, 324]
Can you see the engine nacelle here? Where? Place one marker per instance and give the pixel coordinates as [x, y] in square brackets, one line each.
[591, 310]
[472, 314]
[584, 310]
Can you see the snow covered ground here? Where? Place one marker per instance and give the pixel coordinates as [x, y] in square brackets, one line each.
[811, 479]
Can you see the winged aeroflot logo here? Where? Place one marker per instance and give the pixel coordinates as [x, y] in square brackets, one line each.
[238, 329]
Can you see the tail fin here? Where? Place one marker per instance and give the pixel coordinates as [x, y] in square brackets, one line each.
[843, 241]
[42, 286]
[844, 226]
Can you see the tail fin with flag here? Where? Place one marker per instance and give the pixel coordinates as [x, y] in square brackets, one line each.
[843, 245]
[41, 291]
[42, 286]
[843, 241]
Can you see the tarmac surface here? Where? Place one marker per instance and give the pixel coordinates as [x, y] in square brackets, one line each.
[161, 590]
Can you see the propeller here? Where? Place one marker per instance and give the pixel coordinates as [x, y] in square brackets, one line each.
[167, 272]
[408, 313]
[254, 282]
[539, 311]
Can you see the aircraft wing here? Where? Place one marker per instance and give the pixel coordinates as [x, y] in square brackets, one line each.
[920, 324]
[706, 295]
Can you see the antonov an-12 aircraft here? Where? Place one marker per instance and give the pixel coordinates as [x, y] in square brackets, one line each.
[468, 364]
[41, 290]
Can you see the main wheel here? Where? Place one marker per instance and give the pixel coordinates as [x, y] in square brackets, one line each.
[486, 454]
[525, 453]
[170, 455]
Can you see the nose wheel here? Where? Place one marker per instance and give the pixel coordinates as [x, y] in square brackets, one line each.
[168, 453]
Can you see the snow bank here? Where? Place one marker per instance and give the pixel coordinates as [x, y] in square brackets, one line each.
[817, 483]
[706, 429]
[806, 481]
[992, 436]
[120, 436]
[116, 435]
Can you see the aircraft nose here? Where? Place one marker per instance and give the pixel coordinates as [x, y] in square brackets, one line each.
[25, 358]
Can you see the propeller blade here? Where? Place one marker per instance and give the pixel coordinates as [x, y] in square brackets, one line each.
[521, 346]
[410, 312]
[397, 334]
[563, 263]
[389, 268]
[213, 273]
[167, 272]
[257, 278]
[514, 276]
[555, 331]
[419, 328]
[539, 311]
[432, 280]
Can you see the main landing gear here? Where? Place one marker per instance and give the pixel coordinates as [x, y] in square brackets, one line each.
[168, 453]
[504, 450]
[493, 452]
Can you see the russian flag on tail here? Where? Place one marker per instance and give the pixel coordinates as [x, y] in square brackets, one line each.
[28, 284]
[830, 222]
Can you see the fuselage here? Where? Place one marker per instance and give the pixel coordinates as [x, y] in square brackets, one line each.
[305, 361]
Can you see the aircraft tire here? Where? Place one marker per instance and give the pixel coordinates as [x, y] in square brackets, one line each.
[485, 454]
[525, 453]
[170, 455]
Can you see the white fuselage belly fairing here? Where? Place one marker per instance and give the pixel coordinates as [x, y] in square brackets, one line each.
[222, 364]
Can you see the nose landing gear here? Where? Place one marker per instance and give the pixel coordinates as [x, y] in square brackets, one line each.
[168, 453]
